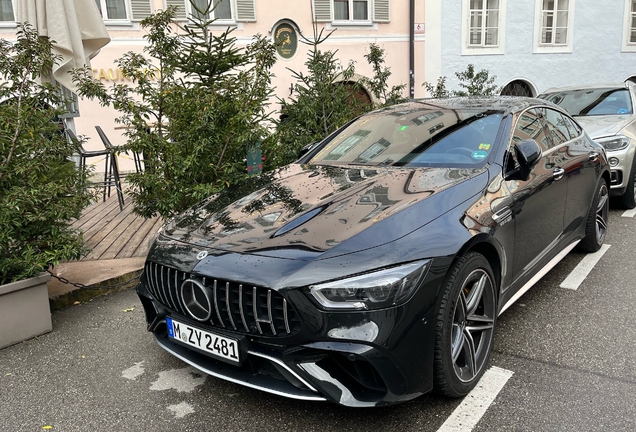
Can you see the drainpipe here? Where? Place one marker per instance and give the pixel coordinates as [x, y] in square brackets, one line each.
[412, 49]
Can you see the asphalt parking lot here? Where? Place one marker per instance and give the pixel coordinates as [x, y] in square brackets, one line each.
[564, 360]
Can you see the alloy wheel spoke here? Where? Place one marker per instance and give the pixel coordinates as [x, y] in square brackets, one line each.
[601, 202]
[475, 295]
[600, 222]
[458, 342]
[471, 357]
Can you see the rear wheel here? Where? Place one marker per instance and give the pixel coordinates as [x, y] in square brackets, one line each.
[465, 326]
[596, 225]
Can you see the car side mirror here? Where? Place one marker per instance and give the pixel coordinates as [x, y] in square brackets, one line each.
[528, 153]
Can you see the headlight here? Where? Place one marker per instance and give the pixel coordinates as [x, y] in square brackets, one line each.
[614, 143]
[375, 290]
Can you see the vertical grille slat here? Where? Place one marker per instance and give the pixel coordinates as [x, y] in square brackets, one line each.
[285, 315]
[216, 304]
[245, 309]
[254, 301]
[269, 311]
[247, 329]
[227, 304]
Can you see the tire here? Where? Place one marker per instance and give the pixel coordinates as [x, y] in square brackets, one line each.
[628, 199]
[465, 326]
[596, 224]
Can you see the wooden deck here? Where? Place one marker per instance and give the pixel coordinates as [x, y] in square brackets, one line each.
[112, 233]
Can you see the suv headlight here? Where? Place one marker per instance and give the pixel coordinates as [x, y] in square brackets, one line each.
[618, 142]
[375, 290]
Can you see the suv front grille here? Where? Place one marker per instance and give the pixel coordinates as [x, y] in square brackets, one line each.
[246, 309]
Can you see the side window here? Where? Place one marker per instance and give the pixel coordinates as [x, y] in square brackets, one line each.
[556, 126]
[573, 128]
[530, 126]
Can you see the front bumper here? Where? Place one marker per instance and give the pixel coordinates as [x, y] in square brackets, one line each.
[357, 359]
[620, 173]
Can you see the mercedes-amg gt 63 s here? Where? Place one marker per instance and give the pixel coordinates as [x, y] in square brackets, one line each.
[374, 268]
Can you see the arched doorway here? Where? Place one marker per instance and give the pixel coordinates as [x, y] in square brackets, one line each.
[518, 88]
[357, 91]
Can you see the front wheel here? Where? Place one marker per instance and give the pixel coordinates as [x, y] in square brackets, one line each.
[465, 326]
[596, 224]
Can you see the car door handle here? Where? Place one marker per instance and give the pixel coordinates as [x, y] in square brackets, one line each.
[558, 173]
[593, 156]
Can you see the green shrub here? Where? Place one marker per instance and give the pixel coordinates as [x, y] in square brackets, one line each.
[196, 105]
[41, 191]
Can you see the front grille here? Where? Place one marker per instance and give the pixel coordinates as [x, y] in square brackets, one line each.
[246, 309]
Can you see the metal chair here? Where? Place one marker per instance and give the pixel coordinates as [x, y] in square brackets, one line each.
[111, 169]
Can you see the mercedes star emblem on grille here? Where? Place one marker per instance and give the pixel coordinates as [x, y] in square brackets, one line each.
[196, 300]
[202, 255]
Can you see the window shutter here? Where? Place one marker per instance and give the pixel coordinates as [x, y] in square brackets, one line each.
[181, 12]
[140, 9]
[322, 10]
[381, 11]
[245, 10]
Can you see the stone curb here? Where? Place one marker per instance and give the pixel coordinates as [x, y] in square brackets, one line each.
[85, 294]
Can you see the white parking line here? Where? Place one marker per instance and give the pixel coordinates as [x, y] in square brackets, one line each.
[470, 411]
[629, 213]
[580, 272]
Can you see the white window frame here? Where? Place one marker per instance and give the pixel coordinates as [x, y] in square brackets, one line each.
[109, 21]
[499, 48]
[10, 24]
[628, 46]
[223, 22]
[368, 21]
[539, 47]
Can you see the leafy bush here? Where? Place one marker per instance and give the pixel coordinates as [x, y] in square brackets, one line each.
[41, 191]
[379, 83]
[320, 103]
[472, 84]
[196, 106]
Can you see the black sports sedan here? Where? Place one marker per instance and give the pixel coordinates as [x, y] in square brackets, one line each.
[373, 269]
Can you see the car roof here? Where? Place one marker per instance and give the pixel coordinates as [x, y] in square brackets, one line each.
[588, 87]
[505, 104]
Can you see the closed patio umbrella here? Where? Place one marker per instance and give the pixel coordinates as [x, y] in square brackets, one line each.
[75, 27]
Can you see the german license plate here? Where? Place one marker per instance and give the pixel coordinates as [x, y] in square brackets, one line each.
[210, 343]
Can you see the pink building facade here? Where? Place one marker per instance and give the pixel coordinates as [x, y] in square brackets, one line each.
[395, 25]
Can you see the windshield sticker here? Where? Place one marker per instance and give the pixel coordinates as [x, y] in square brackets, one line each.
[479, 155]
[403, 128]
[623, 111]
[483, 146]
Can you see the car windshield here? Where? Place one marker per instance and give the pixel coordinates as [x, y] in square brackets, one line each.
[442, 137]
[600, 101]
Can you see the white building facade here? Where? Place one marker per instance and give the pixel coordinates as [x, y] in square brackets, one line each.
[531, 45]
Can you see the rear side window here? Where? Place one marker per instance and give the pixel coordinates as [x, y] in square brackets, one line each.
[556, 126]
[530, 126]
[573, 128]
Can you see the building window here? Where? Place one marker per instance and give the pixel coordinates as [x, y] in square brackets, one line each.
[351, 10]
[217, 9]
[554, 22]
[113, 9]
[632, 22]
[483, 30]
[484, 23]
[6, 10]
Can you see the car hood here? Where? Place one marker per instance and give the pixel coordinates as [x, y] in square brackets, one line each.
[304, 211]
[602, 126]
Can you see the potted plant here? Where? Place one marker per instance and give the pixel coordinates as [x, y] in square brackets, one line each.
[41, 190]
